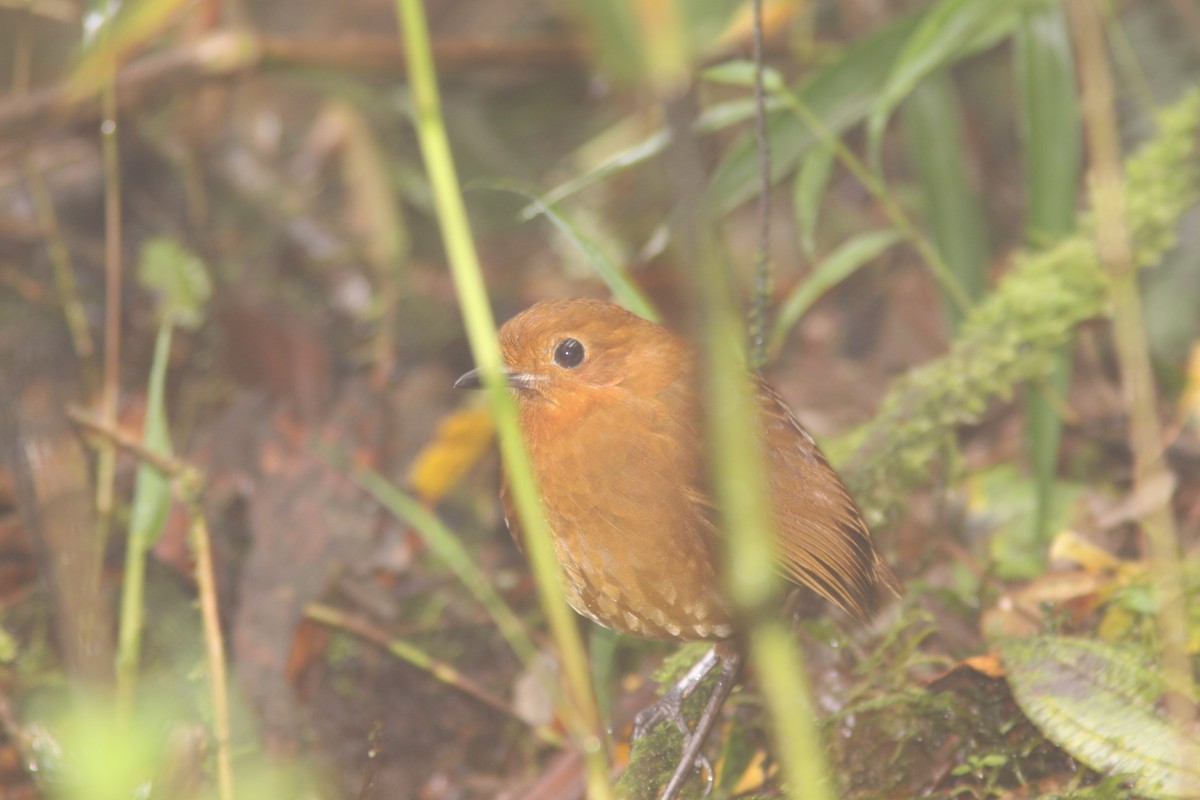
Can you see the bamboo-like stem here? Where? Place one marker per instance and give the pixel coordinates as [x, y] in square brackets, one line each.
[1150, 472]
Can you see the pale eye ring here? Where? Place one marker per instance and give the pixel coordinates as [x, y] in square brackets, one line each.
[569, 353]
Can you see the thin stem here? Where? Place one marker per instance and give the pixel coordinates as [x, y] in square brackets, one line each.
[762, 267]
[445, 672]
[780, 667]
[1129, 336]
[110, 389]
[581, 712]
[214, 641]
[43, 206]
[64, 277]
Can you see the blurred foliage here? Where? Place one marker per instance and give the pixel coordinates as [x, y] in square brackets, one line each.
[1011, 337]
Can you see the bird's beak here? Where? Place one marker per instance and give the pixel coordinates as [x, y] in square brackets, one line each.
[470, 380]
[474, 380]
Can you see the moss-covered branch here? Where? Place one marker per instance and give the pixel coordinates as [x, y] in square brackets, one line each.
[1012, 336]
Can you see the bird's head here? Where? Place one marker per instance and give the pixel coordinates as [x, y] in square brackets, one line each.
[573, 353]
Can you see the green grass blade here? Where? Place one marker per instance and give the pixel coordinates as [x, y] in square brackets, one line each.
[947, 32]
[953, 207]
[148, 517]
[840, 94]
[581, 712]
[618, 281]
[445, 545]
[1050, 116]
[809, 188]
[841, 263]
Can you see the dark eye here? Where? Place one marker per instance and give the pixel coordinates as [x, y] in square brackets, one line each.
[569, 353]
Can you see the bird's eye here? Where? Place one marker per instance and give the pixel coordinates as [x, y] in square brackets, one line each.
[569, 353]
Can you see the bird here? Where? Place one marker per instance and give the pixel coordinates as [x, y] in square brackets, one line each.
[611, 408]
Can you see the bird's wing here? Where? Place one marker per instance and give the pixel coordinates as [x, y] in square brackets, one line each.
[822, 540]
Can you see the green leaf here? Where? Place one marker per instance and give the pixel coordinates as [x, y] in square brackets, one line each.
[953, 207]
[444, 544]
[840, 264]
[807, 191]
[1050, 129]
[623, 288]
[110, 38]
[947, 32]
[738, 72]
[1050, 123]
[1098, 702]
[179, 278]
[152, 489]
[840, 95]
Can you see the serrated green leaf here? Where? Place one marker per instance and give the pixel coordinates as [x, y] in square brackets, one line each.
[1097, 701]
[179, 278]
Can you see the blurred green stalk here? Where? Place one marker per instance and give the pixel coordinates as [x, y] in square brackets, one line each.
[581, 714]
[1050, 127]
[937, 147]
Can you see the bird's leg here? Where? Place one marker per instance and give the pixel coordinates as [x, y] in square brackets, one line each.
[669, 707]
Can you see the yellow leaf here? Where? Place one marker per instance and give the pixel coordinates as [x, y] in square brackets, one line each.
[1070, 546]
[1189, 400]
[462, 438]
[756, 773]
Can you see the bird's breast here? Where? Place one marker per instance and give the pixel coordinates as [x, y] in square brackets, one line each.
[638, 554]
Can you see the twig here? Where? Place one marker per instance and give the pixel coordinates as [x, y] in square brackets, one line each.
[166, 464]
[214, 641]
[225, 55]
[443, 671]
[188, 481]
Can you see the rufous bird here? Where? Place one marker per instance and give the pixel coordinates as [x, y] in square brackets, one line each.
[611, 409]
